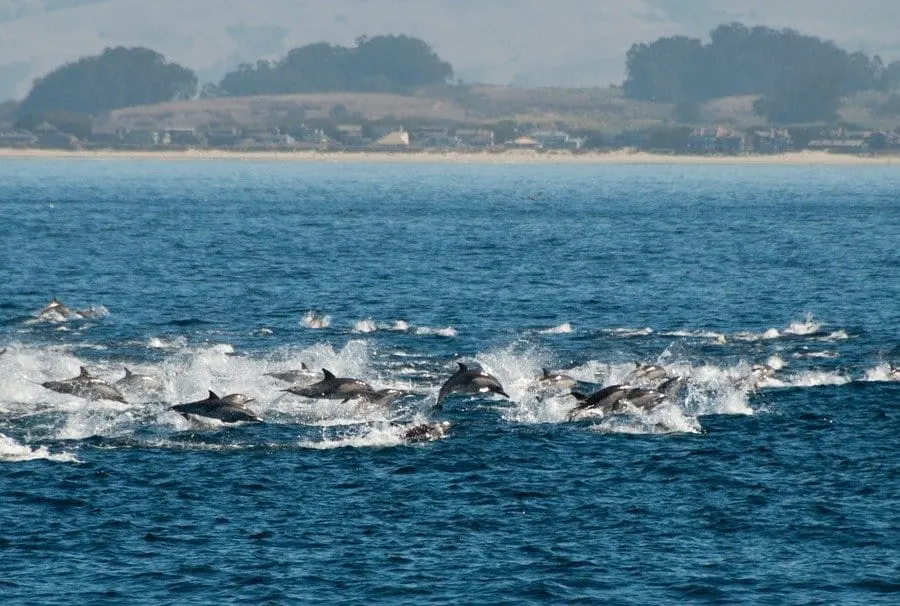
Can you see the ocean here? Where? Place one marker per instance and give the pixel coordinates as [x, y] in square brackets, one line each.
[772, 477]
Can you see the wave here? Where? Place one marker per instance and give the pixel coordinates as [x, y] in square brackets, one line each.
[316, 320]
[364, 326]
[563, 329]
[14, 452]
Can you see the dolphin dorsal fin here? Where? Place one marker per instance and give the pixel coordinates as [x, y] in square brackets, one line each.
[128, 373]
[546, 372]
[83, 372]
[462, 367]
[328, 374]
[213, 396]
[303, 366]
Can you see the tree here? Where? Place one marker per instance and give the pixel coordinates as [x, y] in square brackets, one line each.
[381, 63]
[799, 77]
[119, 77]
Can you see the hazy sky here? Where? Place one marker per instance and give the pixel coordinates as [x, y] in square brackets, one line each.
[522, 42]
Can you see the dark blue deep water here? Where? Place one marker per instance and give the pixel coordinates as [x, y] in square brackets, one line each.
[210, 274]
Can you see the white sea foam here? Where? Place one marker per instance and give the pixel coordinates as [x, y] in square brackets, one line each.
[314, 319]
[718, 337]
[883, 372]
[447, 331]
[815, 378]
[400, 325]
[807, 327]
[377, 435]
[837, 335]
[14, 452]
[667, 418]
[815, 354]
[160, 343]
[364, 326]
[563, 329]
[628, 332]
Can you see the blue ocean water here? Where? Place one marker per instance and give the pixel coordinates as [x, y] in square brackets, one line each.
[210, 274]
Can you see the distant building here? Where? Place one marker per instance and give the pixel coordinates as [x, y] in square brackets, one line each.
[547, 139]
[17, 138]
[350, 135]
[396, 139]
[475, 137]
[524, 143]
[714, 141]
[853, 145]
[773, 141]
[433, 136]
[143, 138]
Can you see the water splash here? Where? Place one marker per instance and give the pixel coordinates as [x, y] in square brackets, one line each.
[316, 320]
[14, 452]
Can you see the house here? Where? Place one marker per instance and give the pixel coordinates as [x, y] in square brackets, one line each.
[17, 138]
[855, 145]
[547, 139]
[51, 137]
[394, 140]
[714, 141]
[272, 140]
[350, 135]
[144, 138]
[524, 143]
[475, 137]
[433, 136]
[773, 141]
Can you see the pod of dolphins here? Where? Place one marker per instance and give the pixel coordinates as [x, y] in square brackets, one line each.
[644, 388]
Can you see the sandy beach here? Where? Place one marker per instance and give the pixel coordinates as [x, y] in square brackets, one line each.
[803, 158]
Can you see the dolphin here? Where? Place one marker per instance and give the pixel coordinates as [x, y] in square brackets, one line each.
[331, 388]
[228, 409]
[137, 382]
[380, 397]
[292, 376]
[556, 380]
[56, 311]
[426, 432]
[469, 380]
[604, 400]
[86, 386]
[646, 399]
[646, 373]
[672, 387]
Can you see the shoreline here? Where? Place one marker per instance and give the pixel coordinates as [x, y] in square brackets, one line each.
[802, 158]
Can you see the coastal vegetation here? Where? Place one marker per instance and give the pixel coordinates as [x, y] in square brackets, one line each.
[744, 79]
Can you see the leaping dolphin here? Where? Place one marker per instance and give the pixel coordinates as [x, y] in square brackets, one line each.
[604, 400]
[646, 373]
[86, 386]
[292, 376]
[556, 380]
[331, 388]
[138, 382]
[380, 397]
[469, 380]
[228, 409]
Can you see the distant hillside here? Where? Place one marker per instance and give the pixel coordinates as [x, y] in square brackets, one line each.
[596, 109]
